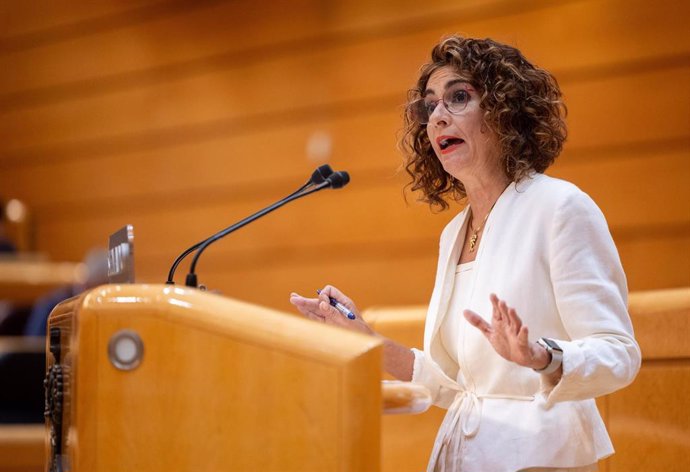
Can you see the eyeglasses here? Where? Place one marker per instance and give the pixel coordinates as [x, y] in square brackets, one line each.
[455, 100]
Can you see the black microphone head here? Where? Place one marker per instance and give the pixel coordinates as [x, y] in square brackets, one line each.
[339, 179]
[321, 174]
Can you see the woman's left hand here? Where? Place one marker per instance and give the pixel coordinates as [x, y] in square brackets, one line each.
[508, 336]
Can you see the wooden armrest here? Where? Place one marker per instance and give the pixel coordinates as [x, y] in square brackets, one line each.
[22, 344]
[22, 282]
[404, 398]
[22, 446]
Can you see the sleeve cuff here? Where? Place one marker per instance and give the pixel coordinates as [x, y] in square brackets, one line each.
[418, 365]
[573, 361]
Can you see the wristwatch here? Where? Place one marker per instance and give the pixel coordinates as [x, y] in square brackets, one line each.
[556, 354]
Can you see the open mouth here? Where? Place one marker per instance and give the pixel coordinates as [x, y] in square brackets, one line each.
[448, 142]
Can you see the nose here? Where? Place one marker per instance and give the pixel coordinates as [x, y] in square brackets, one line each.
[440, 115]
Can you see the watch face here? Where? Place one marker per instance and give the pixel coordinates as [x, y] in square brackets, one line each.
[552, 344]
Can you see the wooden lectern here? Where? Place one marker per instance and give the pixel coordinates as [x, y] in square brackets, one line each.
[162, 378]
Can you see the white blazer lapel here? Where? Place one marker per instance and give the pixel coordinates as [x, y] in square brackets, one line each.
[449, 253]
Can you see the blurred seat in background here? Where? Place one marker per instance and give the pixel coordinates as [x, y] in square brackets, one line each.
[95, 273]
[22, 331]
[30, 286]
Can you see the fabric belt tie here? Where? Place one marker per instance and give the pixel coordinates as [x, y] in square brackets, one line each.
[466, 411]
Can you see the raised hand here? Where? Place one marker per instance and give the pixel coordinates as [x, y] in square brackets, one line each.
[508, 336]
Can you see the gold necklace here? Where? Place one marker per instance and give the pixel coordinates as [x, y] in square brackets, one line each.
[475, 232]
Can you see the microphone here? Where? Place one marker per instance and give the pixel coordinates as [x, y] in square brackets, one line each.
[320, 174]
[317, 177]
[322, 177]
[339, 179]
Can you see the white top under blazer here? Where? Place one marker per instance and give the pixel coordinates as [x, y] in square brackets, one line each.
[547, 251]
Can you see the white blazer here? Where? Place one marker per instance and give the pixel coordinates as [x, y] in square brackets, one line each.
[547, 251]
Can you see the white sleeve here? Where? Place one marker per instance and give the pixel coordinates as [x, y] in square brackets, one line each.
[426, 372]
[601, 355]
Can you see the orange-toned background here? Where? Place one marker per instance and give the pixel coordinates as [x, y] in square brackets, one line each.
[182, 117]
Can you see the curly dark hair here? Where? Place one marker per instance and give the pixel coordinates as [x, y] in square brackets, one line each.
[522, 104]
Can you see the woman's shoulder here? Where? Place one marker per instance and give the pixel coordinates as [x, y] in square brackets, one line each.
[544, 184]
[558, 199]
[552, 191]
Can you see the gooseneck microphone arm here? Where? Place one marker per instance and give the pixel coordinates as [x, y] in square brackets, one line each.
[173, 268]
[318, 176]
[191, 280]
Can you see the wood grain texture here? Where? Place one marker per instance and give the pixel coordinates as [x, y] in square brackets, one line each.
[319, 80]
[21, 22]
[181, 117]
[221, 384]
[219, 35]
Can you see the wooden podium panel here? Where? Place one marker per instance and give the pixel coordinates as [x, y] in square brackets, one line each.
[222, 385]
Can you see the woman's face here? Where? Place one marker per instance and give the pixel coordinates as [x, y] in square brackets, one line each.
[464, 144]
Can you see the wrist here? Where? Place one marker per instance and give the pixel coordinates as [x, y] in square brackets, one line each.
[542, 358]
[555, 352]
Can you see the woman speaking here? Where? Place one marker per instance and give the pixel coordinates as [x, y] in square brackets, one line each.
[528, 319]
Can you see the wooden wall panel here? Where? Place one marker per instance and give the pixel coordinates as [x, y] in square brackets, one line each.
[181, 117]
[208, 31]
[212, 160]
[318, 77]
[657, 260]
[391, 232]
[217, 33]
[632, 203]
[601, 114]
[391, 220]
[40, 17]
[364, 275]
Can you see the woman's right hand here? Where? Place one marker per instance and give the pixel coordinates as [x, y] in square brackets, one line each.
[398, 360]
[320, 309]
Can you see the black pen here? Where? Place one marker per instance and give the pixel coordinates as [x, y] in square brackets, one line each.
[340, 307]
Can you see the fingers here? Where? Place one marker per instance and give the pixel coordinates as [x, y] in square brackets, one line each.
[500, 312]
[515, 321]
[302, 303]
[505, 331]
[496, 306]
[505, 317]
[329, 311]
[478, 322]
[331, 291]
[318, 309]
[309, 307]
[523, 337]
